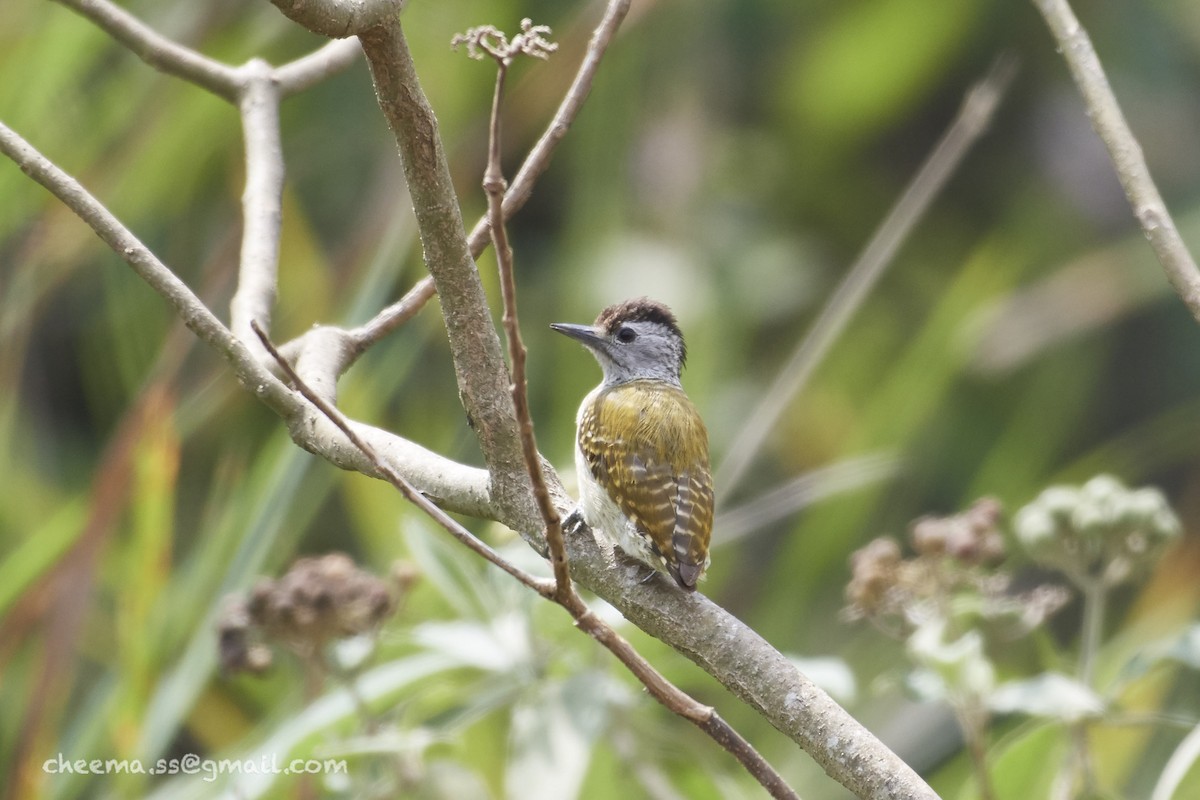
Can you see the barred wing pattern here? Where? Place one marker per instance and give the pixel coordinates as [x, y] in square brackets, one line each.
[645, 442]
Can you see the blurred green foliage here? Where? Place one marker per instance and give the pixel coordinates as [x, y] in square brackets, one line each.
[733, 158]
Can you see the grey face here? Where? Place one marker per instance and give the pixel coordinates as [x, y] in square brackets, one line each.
[632, 350]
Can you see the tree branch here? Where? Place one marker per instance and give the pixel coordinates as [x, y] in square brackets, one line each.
[307, 71]
[482, 376]
[262, 202]
[1108, 121]
[338, 19]
[772, 685]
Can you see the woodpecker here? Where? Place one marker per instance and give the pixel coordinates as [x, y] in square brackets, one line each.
[641, 448]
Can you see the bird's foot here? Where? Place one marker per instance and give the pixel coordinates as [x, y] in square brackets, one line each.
[574, 522]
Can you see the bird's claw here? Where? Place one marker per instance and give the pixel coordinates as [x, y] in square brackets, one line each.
[574, 522]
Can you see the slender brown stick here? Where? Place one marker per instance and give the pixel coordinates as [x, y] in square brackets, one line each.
[539, 157]
[1109, 122]
[493, 187]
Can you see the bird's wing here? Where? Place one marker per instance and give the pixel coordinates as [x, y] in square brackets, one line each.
[649, 447]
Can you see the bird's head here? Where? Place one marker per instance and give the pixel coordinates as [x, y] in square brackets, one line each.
[634, 340]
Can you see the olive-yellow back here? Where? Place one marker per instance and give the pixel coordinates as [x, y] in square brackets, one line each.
[645, 443]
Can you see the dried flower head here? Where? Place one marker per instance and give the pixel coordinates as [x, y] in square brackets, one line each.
[952, 580]
[874, 571]
[488, 40]
[318, 599]
[972, 537]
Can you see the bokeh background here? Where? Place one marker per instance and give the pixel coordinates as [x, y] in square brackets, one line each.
[733, 159]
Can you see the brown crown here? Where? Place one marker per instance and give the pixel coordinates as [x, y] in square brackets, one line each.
[641, 309]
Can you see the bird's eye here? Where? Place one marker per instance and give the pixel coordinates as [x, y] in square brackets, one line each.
[626, 335]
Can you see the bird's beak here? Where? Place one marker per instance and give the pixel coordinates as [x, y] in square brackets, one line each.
[587, 334]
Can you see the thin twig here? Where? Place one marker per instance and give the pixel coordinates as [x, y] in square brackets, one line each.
[309, 70]
[970, 123]
[494, 186]
[1109, 122]
[1095, 597]
[539, 157]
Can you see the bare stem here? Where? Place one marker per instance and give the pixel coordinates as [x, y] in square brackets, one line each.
[1123, 148]
[972, 720]
[1095, 598]
[493, 186]
[539, 157]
